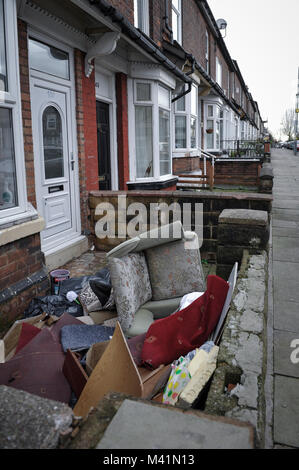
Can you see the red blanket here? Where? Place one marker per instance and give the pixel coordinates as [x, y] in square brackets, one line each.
[174, 336]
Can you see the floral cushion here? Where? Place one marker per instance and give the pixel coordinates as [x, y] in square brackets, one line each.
[89, 300]
[174, 270]
[131, 286]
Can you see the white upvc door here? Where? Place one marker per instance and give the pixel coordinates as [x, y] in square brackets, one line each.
[55, 164]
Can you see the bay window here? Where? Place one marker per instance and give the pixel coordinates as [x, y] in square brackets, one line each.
[186, 121]
[12, 171]
[152, 139]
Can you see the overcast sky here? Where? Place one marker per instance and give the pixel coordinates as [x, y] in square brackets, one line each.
[263, 36]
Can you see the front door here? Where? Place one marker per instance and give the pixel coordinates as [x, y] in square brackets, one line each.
[103, 125]
[54, 161]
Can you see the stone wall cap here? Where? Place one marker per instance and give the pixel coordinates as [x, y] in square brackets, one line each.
[243, 217]
[266, 172]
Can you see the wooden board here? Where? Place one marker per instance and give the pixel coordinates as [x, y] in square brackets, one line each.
[115, 372]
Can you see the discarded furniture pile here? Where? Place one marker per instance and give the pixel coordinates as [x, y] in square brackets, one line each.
[147, 326]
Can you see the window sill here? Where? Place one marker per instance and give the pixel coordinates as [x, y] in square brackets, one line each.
[20, 226]
[152, 184]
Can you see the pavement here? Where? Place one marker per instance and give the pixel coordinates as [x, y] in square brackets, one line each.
[285, 300]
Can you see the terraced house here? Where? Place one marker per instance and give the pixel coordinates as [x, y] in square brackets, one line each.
[97, 94]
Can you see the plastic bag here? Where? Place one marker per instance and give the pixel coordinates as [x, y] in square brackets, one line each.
[53, 305]
[99, 282]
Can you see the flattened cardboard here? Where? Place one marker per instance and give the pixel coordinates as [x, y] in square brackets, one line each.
[156, 382]
[2, 351]
[94, 354]
[12, 336]
[115, 372]
[37, 369]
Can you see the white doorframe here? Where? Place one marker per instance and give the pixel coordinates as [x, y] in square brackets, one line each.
[53, 81]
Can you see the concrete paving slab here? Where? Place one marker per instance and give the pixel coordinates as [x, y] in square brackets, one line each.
[285, 249]
[286, 315]
[283, 364]
[285, 204]
[285, 232]
[286, 214]
[286, 411]
[138, 425]
[285, 270]
[284, 223]
[286, 289]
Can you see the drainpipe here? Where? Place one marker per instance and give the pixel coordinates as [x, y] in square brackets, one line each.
[166, 18]
[192, 60]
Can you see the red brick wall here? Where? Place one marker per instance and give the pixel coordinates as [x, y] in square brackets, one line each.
[156, 14]
[20, 259]
[126, 7]
[90, 132]
[181, 165]
[26, 112]
[122, 129]
[82, 98]
[237, 173]
[244, 173]
[194, 31]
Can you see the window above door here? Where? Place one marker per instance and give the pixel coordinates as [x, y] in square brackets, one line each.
[48, 59]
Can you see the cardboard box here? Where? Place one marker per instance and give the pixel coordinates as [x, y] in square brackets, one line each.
[113, 370]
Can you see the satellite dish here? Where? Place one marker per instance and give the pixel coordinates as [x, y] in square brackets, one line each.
[221, 23]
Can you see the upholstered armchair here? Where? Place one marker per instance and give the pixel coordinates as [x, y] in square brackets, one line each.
[151, 273]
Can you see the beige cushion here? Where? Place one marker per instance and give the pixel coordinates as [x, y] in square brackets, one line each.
[174, 270]
[162, 308]
[131, 286]
[141, 323]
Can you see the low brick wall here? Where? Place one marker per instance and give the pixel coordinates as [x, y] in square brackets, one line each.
[227, 171]
[22, 276]
[213, 204]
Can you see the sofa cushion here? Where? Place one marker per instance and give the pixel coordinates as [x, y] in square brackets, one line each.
[143, 319]
[162, 308]
[89, 300]
[131, 286]
[174, 270]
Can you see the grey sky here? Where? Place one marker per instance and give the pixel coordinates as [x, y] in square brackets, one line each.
[263, 36]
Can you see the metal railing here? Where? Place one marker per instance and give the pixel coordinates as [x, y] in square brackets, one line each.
[242, 148]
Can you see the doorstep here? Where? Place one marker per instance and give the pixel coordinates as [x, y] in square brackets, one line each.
[61, 255]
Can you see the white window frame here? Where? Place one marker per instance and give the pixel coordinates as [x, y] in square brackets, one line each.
[154, 104]
[180, 152]
[11, 99]
[218, 72]
[207, 52]
[233, 85]
[216, 121]
[178, 13]
[144, 26]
